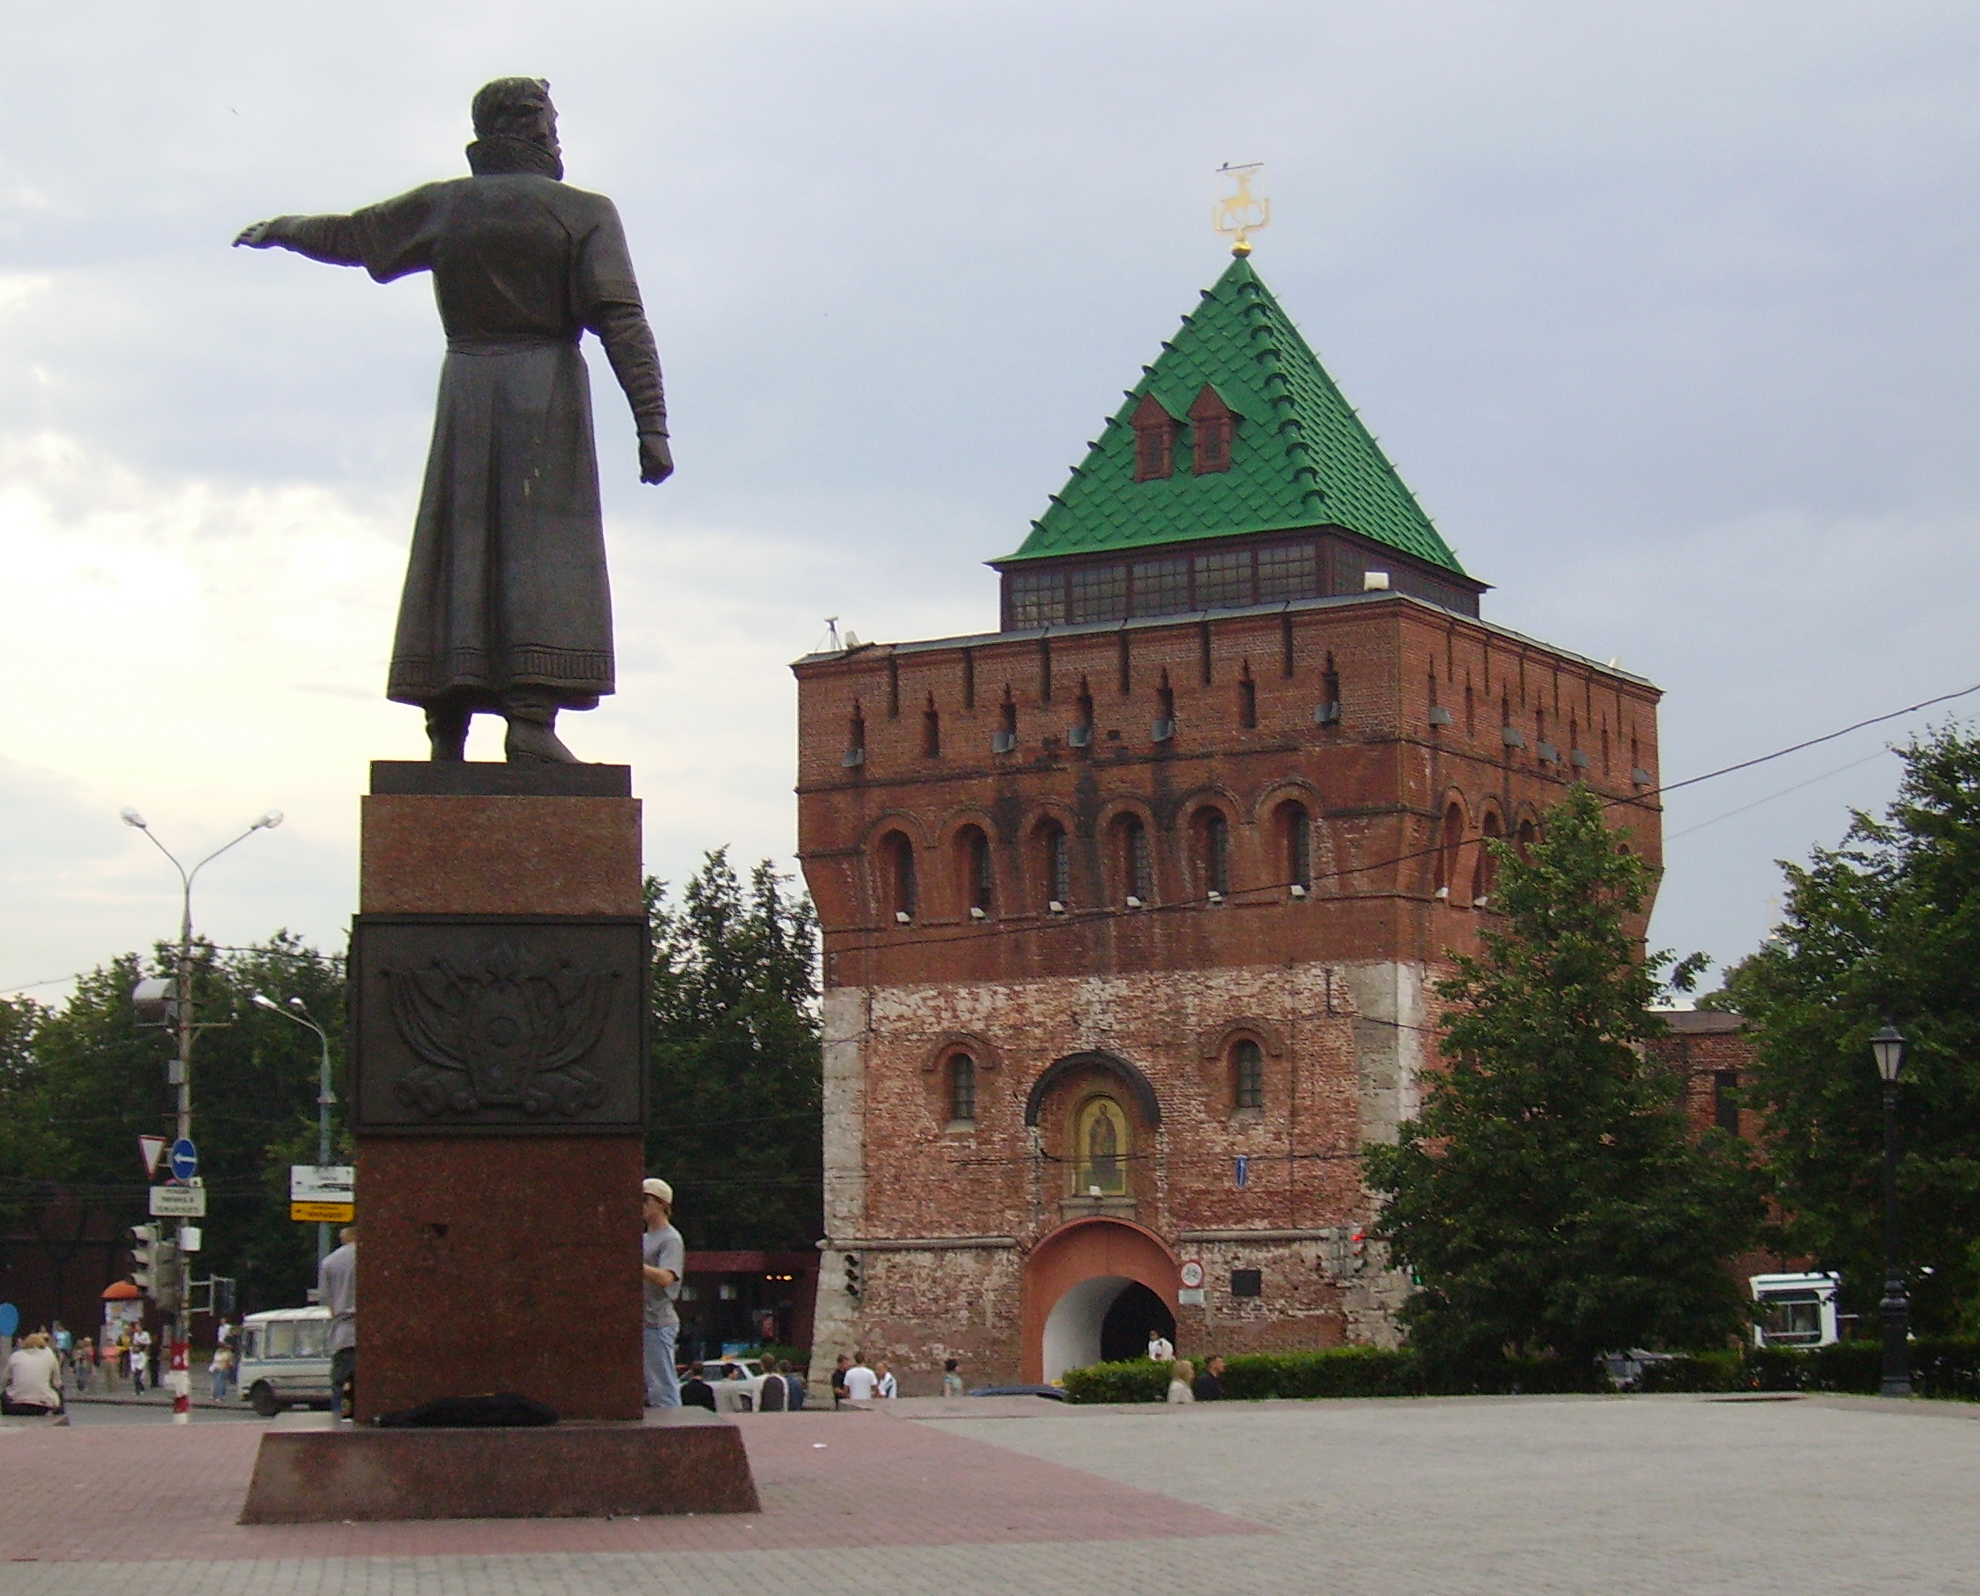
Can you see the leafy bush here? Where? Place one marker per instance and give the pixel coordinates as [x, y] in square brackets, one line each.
[1696, 1371]
[1330, 1372]
[1137, 1380]
[1939, 1368]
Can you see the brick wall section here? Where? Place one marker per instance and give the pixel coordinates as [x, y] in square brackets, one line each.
[1334, 986]
[1708, 1046]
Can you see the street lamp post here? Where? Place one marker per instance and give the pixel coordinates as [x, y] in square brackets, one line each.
[324, 1097]
[187, 1032]
[1888, 1048]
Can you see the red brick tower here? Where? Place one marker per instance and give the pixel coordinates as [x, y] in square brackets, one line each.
[1132, 908]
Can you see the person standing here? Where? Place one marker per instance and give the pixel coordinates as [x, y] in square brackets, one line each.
[839, 1380]
[1160, 1348]
[663, 1260]
[222, 1369]
[889, 1387]
[140, 1359]
[336, 1289]
[773, 1395]
[861, 1382]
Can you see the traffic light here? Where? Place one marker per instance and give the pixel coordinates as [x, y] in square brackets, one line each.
[155, 1265]
[144, 1257]
[854, 1282]
[1358, 1250]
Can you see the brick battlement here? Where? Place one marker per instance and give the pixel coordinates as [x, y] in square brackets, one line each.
[1374, 714]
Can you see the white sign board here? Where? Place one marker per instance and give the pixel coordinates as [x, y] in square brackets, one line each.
[322, 1183]
[178, 1202]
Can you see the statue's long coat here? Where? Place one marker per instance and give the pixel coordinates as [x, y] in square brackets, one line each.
[506, 587]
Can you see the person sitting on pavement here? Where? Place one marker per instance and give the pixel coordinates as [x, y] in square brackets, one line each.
[1209, 1386]
[773, 1395]
[952, 1380]
[34, 1382]
[1179, 1379]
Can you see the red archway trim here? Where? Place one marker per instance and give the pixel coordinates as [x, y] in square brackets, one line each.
[1079, 1251]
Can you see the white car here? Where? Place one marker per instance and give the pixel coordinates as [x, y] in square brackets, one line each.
[284, 1360]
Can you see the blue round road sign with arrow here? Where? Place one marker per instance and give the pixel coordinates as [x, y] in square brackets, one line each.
[185, 1159]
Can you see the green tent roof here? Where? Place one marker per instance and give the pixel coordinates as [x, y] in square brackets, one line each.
[1300, 457]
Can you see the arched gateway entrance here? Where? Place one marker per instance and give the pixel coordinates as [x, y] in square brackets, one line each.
[1091, 1288]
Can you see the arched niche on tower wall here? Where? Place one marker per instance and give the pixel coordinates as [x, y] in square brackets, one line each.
[1096, 1116]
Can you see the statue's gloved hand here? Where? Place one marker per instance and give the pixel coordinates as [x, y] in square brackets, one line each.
[257, 236]
[656, 460]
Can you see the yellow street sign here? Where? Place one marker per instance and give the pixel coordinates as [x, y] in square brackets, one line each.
[323, 1213]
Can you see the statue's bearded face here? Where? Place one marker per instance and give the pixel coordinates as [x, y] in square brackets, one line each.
[543, 129]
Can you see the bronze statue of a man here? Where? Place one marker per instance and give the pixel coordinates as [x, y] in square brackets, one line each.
[507, 608]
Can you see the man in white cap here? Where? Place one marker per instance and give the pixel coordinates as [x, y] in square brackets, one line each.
[663, 1260]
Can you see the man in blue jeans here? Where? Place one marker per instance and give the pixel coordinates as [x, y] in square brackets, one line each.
[663, 1260]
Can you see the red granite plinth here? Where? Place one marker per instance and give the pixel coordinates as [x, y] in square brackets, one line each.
[312, 1470]
[500, 1263]
[493, 1262]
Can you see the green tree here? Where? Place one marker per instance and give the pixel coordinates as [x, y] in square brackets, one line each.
[737, 1120]
[1885, 926]
[1551, 1198]
[95, 1081]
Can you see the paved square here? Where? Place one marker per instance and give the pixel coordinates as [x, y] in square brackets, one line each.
[1432, 1498]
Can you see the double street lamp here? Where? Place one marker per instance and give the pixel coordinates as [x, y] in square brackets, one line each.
[176, 1010]
[1887, 1046]
[298, 1011]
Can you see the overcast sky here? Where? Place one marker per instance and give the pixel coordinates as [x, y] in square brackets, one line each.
[1666, 311]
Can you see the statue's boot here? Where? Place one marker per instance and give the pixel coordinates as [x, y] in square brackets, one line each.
[447, 729]
[532, 735]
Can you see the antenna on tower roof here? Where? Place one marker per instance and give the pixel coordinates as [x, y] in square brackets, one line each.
[1242, 206]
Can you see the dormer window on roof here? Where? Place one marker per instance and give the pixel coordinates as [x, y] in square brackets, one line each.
[1154, 440]
[1212, 427]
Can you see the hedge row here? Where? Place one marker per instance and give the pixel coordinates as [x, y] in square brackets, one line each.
[1938, 1369]
[1330, 1372]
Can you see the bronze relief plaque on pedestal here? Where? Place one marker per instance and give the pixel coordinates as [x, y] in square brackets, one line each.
[498, 1024]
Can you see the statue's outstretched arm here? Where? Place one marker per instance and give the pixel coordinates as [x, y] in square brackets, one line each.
[333, 240]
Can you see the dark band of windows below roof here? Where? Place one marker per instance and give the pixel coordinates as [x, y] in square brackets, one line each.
[1221, 576]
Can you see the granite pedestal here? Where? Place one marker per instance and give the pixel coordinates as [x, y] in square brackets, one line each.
[312, 1470]
[498, 1102]
[498, 1256]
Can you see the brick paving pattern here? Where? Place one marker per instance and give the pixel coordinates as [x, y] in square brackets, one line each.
[1434, 1498]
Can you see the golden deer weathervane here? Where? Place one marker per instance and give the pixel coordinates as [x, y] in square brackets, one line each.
[1242, 207]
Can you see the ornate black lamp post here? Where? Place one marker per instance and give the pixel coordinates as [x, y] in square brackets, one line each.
[1888, 1046]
